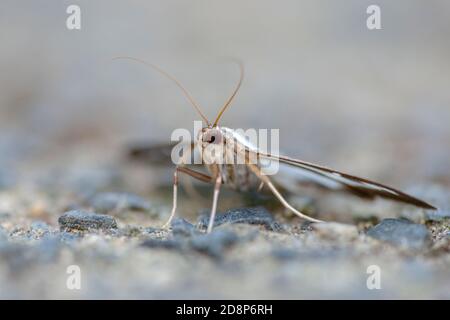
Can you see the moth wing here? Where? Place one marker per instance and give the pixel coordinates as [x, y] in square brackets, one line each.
[161, 153]
[294, 170]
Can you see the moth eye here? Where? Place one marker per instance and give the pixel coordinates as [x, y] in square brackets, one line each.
[212, 137]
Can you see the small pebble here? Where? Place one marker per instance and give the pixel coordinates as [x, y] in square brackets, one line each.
[401, 232]
[84, 221]
[256, 215]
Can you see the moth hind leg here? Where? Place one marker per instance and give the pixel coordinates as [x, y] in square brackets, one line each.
[265, 179]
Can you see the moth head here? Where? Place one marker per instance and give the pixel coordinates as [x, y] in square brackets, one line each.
[210, 135]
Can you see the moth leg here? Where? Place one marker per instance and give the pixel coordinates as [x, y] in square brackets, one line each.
[197, 175]
[277, 194]
[188, 185]
[214, 204]
[261, 186]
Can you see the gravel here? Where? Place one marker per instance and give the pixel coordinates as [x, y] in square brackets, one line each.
[86, 221]
[253, 252]
[237, 260]
[401, 232]
[255, 216]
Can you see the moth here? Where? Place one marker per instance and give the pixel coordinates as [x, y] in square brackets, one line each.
[249, 174]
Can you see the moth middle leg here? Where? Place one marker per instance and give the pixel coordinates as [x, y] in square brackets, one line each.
[197, 175]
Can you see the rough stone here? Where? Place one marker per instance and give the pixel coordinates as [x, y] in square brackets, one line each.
[401, 232]
[256, 215]
[84, 221]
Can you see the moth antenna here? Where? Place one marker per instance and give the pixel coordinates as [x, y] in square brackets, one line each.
[169, 76]
[228, 102]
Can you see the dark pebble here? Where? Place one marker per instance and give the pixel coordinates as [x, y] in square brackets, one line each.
[401, 232]
[84, 221]
[108, 201]
[215, 243]
[256, 215]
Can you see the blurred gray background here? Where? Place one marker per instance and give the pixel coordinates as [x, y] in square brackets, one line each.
[373, 102]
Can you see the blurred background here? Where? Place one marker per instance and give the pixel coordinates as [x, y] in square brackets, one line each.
[373, 102]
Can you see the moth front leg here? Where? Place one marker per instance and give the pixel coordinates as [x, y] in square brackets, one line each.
[197, 175]
[175, 196]
[214, 204]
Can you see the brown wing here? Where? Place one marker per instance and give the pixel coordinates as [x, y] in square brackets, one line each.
[358, 186]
